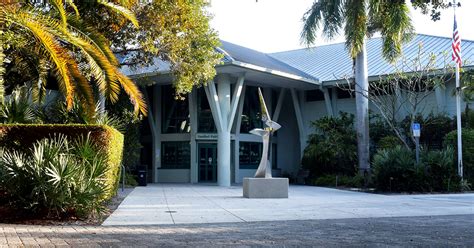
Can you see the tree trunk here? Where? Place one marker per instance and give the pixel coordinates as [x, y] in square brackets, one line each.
[362, 110]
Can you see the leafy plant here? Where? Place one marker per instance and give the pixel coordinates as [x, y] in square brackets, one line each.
[56, 177]
[434, 127]
[17, 108]
[395, 169]
[332, 147]
[55, 40]
[467, 150]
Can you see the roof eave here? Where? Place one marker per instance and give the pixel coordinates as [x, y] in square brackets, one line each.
[273, 72]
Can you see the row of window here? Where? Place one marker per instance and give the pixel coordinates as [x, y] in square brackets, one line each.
[176, 119]
[177, 155]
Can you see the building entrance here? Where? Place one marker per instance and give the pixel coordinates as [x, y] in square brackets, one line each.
[207, 162]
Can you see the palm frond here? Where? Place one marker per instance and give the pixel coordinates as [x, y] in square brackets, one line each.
[73, 6]
[38, 91]
[120, 10]
[61, 8]
[2, 72]
[57, 54]
[312, 21]
[356, 26]
[132, 90]
[83, 87]
[396, 29]
[329, 14]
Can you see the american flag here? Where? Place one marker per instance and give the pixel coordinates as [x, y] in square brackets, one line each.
[456, 44]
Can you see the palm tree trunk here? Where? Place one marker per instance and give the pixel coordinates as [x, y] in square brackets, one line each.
[362, 110]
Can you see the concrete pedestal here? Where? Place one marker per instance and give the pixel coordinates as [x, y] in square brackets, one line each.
[265, 187]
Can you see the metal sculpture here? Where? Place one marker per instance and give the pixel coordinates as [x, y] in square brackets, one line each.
[265, 168]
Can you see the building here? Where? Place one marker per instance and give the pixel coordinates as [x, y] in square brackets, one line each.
[205, 139]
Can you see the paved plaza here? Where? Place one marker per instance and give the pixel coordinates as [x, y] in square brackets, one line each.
[170, 215]
[187, 203]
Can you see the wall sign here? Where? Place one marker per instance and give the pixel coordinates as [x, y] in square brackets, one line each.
[210, 136]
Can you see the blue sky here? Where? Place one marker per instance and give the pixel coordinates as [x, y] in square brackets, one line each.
[275, 25]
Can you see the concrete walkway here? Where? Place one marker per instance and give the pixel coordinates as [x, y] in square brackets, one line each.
[186, 203]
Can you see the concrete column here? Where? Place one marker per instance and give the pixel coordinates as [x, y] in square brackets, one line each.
[192, 98]
[156, 109]
[299, 120]
[335, 111]
[327, 101]
[223, 141]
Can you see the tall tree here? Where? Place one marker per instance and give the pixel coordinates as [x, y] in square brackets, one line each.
[360, 19]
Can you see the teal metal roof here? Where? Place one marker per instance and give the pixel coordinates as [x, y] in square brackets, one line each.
[332, 62]
[232, 53]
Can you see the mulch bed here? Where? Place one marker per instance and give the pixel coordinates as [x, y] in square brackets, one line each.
[9, 215]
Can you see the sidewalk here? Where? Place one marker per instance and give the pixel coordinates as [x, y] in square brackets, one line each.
[188, 203]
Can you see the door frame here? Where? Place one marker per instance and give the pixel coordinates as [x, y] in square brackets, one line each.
[209, 144]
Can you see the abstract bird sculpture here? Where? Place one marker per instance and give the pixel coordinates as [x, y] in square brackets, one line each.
[265, 168]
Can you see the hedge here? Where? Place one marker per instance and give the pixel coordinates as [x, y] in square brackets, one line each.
[23, 136]
[467, 150]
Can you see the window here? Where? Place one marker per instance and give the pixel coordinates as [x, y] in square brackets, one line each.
[314, 95]
[175, 155]
[344, 93]
[251, 116]
[175, 113]
[250, 154]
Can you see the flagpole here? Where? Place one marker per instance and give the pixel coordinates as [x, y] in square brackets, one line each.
[458, 95]
[458, 121]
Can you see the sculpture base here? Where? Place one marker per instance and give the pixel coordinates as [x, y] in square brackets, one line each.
[265, 187]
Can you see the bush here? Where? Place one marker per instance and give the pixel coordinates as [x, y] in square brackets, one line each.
[332, 149]
[467, 151]
[396, 170]
[21, 137]
[433, 129]
[389, 142]
[56, 176]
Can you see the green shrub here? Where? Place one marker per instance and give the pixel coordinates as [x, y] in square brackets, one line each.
[433, 129]
[467, 151]
[441, 170]
[332, 148]
[56, 176]
[395, 169]
[389, 142]
[21, 137]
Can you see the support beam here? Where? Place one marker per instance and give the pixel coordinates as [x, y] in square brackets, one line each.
[281, 97]
[213, 99]
[299, 120]
[193, 146]
[235, 100]
[335, 110]
[327, 101]
[223, 142]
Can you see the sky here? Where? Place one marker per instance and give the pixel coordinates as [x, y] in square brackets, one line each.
[275, 25]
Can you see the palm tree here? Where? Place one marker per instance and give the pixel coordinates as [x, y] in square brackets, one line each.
[59, 43]
[360, 19]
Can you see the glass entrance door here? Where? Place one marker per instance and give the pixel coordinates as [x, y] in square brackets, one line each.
[207, 162]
